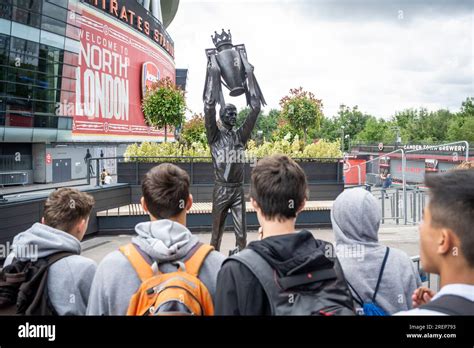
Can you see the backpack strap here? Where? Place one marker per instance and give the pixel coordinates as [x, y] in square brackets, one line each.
[262, 270]
[138, 262]
[194, 263]
[450, 305]
[380, 274]
[358, 298]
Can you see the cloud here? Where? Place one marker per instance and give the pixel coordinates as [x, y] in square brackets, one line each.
[352, 52]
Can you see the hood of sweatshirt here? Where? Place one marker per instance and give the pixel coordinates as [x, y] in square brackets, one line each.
[41, 240]
[294, 253]
[164, 240]
[356, 217]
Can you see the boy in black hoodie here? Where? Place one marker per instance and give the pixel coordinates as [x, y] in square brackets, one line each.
[278, 193]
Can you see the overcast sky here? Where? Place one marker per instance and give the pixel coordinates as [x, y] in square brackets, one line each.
[382, 55]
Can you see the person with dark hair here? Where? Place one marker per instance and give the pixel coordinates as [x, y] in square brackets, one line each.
[63, 225]
[274, 275]
[164, 242]
[447, 245]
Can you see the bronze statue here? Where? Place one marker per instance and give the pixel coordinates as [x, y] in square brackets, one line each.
[228, 144]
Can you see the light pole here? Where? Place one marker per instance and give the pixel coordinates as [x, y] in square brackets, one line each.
[342, 138]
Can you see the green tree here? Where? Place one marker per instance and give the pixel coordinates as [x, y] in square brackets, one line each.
[164, 105]
[461, 126]
[302, 110]
[194, 130]
[265, 123]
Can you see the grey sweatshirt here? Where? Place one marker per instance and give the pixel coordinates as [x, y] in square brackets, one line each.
[116, 281]
[356, 218]
[69, 279]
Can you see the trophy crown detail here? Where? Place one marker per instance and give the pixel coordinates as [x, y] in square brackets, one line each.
[224, 38]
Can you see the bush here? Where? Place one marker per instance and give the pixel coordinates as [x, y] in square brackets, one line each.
[294, 149]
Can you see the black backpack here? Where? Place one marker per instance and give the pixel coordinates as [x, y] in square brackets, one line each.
[451, 305]
[23, 286]
[328, 296]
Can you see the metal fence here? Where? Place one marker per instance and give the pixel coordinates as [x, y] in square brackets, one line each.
[429, 280]
[15, 162]
[405, 202]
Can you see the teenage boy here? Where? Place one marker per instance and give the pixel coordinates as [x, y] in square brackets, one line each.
[447, 245]
[285, 272]
[63, 225]
[165, 240]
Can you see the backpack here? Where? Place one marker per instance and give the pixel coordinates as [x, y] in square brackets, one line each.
[287, 295]
[372, 308]
[23, 286]
[451, 305]
[175, 293]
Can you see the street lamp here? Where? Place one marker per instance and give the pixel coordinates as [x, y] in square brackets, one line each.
[342, 138]
[398, 140]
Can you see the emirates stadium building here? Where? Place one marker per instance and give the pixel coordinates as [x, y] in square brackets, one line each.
[72, 77]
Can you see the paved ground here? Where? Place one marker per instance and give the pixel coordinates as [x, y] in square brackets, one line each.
[402, 237]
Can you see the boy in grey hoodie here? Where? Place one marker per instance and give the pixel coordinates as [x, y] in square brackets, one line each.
[63, 225]
[165, 239]
[356, 218]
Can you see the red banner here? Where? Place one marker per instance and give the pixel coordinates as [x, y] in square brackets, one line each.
[108, 90]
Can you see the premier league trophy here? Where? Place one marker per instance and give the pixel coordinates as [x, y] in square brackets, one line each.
[228, 65]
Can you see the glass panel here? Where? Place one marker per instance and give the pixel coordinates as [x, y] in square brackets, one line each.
[69, 71]
[49, 68]
[52, 39]
[46, 94]
[62, 3]
[31, 5]
[5, 26]
[45, 107]
[26, 17]
[50, 9]
[21, 76]
[46, 121]
[50, 53]
[18, 120]
[65, 123]
[25, 32]
[72, 45]
[4, 48]
[5, 11]
[24, 47]
[71, 58]
[53, 25]
[68, 84]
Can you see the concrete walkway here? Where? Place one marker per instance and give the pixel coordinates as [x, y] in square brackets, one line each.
[401, 237]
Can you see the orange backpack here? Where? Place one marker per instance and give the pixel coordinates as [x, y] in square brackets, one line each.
[175, 293]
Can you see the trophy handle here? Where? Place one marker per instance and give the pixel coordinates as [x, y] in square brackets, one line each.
[212, 88]
[252, 87]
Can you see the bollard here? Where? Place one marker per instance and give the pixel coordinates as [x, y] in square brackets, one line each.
[383, 205]
[396, 204]
[97, 181]
[414, 205]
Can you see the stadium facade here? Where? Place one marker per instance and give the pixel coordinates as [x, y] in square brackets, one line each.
[72, 77]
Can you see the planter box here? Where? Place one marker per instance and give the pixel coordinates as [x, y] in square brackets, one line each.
[202, 173]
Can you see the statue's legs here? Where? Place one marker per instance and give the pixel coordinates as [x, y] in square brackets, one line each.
[220, 205]
[238, 217]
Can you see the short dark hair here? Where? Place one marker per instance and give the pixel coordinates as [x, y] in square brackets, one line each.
[65, 207]
[279, 187]
[452, 206]
[165, 189]
[225, 107]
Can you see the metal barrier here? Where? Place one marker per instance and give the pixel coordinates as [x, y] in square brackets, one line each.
[404, 193]
[429, 280]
